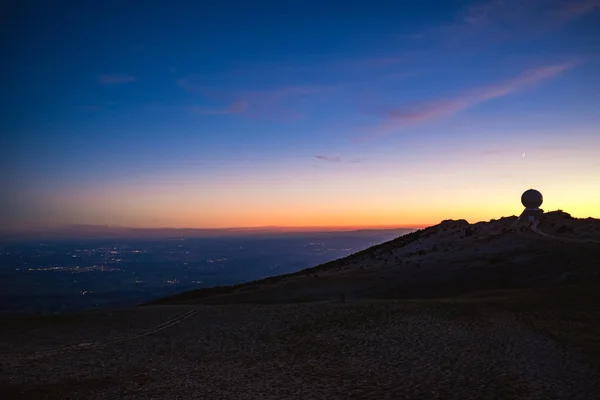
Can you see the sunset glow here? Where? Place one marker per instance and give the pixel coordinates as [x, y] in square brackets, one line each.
[178, 122]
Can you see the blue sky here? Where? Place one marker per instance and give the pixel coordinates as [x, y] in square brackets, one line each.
[109, 106]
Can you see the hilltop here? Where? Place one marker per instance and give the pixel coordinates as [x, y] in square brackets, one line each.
[454, 311]
[448, 259]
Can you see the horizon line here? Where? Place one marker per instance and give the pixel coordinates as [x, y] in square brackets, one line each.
[258, 227]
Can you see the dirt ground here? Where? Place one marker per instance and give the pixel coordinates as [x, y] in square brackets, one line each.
[520, 346]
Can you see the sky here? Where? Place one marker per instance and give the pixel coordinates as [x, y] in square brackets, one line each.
[296, 113]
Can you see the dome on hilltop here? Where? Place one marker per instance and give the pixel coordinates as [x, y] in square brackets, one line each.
[532, 198]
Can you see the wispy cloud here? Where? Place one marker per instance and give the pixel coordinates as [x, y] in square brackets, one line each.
[401, 117]
[195, 84]
[291, 102]
[274, 98]
[578, 8]
[494, 20]
[115, 79]
[337, 159]
[234, 108]
[273, 102]
[329, 158]
[517, 13]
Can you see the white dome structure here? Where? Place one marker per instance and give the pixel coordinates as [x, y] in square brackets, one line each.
[531, 200]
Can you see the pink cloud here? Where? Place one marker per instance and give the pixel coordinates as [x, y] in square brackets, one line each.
[234, 108]
[401, 117]
[116, 79]
[273, 103]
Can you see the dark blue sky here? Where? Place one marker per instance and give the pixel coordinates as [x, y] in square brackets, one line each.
[121, 112]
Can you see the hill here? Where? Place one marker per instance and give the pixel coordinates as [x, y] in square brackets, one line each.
[448, 259]
[455, 311]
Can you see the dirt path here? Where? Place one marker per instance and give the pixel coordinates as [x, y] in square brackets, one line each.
[371, 350]
[103, 343]
[535, 227]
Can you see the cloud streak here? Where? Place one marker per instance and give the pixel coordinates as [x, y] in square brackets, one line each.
[401, 117]
[116, 79]
[337, 159]
[498, 20]
[195, 84]
[329, 158]
[272, 102]
[518, 13]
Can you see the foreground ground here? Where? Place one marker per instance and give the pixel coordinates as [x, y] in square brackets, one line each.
[520, 344]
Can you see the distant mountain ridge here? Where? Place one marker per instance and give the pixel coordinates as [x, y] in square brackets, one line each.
[113, 232]
[451, 258]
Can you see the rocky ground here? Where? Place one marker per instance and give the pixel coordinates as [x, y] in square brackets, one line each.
[443, 349]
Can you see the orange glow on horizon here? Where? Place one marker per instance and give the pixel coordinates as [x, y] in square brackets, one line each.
[386, 193]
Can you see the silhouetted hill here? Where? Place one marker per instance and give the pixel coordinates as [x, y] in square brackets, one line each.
[448, 259]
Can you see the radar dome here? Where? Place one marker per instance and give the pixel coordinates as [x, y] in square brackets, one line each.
[532, 198]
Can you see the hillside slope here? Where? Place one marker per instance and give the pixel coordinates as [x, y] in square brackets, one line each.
[451, 258]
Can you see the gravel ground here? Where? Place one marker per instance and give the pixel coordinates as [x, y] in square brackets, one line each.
[362, 350]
